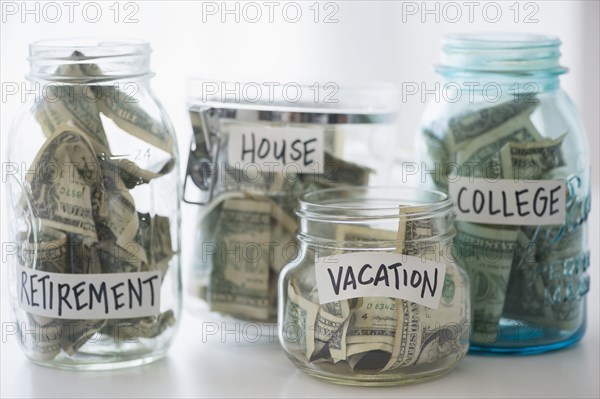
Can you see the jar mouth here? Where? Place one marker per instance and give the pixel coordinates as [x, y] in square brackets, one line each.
[87, 60]
[373, 203]
[518, 54]
[507, 40]
[368, 103]
[91, 47]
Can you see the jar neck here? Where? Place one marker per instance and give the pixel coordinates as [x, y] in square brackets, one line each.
[375, 218]
[89, 61]
[525, 62]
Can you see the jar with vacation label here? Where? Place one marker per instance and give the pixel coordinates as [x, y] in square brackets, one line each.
[94, 263]
[509, 146]
[375, 296]
[256, 148]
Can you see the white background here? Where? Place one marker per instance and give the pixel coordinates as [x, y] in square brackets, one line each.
[372, 41]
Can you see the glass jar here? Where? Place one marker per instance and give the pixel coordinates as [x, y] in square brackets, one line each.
[507, 142]
[375, 296]
[252, 156]
[94, 270]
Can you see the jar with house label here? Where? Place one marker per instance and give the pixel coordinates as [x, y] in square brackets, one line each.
[375, 296]
[509, 146]
[94, 261]
[256, 148]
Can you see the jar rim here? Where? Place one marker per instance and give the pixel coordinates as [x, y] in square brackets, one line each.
[95, 47]
[367, 203]
[515, 55]
[500, 40]
[89, 60]
[377, 100]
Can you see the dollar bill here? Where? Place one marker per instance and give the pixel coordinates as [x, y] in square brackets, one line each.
[128, 330]
[62, 187]
[428, 335]
[488, 254]
[373, 326]
[48, 252]
[549, 282]
[484, 152]
[300, 318]
[330, 330]
[127, 113]
[116, 217]
[76, 333]
[240, 275]
[468, 127]
[531, 160]
[417, 235]
[72, 104]
[46, 343]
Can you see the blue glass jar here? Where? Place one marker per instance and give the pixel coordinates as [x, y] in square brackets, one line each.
[508, 144]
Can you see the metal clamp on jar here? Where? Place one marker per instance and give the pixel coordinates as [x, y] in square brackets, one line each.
[249, 162]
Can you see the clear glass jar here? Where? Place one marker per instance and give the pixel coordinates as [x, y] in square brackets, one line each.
[250, 160]
[507, 141]
[353, 306]
[93, 209]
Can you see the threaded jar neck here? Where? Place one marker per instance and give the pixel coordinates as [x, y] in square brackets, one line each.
[502, 56]
[370, 217]
[81, 61]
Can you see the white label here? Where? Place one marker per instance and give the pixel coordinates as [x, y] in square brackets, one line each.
[276, 149]
[380, 274]
[89, 296]
[509, 202]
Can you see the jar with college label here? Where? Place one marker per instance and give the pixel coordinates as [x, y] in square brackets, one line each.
[94, 265]
[375, 296]
[256, 148]
[509, 146]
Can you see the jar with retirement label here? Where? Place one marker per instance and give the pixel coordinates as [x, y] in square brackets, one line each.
[375, 297]
[507, 143]
[256, 148]
[94, 241]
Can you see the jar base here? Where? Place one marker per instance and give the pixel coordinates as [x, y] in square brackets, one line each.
[100, 363]
[410, 375]
[526, 343]
[377, 380]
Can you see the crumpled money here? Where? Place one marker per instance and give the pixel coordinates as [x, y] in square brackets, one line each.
[514, 270]
[378, 335]
[81, 195]
[247, 232]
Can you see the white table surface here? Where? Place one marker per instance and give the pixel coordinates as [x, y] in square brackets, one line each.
[215, 369]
